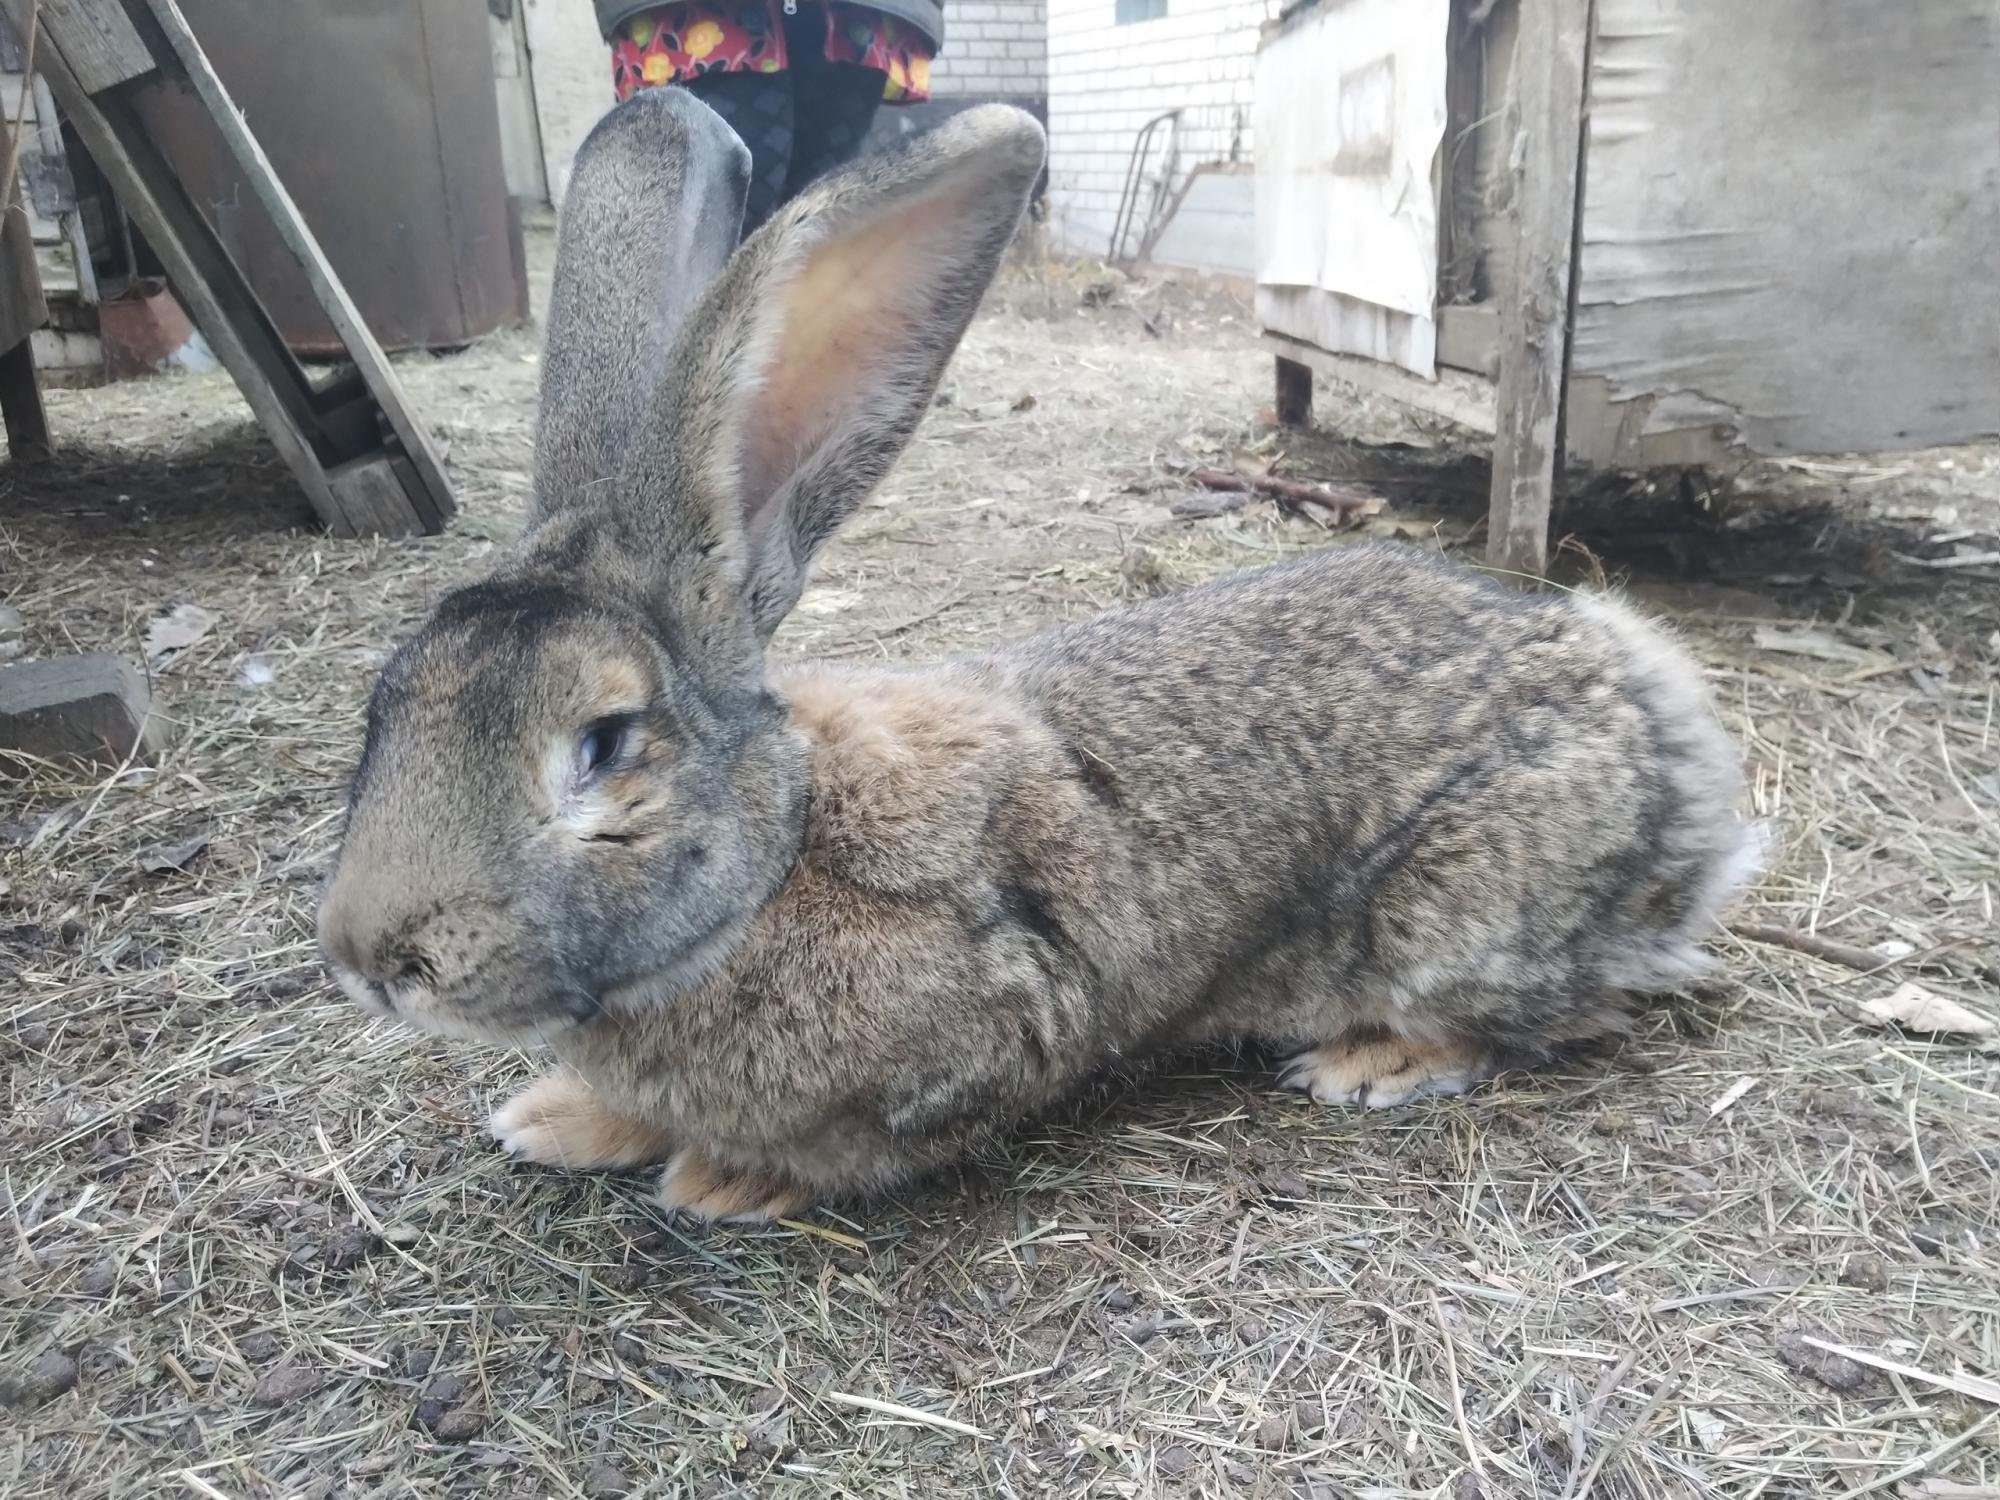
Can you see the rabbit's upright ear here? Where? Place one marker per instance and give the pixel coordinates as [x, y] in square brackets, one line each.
[654, 207]
[806, 368]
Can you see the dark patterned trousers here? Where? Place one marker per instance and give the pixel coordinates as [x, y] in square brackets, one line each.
[798, 124]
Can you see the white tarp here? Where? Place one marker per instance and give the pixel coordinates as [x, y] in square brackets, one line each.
[1350, 111]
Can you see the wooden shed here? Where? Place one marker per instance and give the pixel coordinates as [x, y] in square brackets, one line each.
[1636, 232]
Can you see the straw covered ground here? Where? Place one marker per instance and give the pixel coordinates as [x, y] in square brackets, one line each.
[254, 1247]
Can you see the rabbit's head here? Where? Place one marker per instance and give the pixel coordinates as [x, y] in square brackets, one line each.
[577, 788]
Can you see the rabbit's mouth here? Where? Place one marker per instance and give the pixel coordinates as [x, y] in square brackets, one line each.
[549, 1012]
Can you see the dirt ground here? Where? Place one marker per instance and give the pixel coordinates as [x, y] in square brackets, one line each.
[256, 1247]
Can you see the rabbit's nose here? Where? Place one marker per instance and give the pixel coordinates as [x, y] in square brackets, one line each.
[358, 935]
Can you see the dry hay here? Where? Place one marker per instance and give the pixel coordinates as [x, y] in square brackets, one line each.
[256, 1248]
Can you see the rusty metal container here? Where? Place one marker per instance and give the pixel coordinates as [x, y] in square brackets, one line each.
[382, 121]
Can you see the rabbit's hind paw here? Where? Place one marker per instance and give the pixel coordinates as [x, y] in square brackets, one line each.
[1378, 1071]
[696, 1186]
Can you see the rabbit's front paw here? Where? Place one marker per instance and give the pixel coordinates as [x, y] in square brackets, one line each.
[560, 1121]
[694, 1185]
[1378, 1071]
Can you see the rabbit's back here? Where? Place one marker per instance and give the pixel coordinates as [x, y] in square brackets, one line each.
[1376, 777]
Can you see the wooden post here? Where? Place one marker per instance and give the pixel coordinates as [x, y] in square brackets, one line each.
[21, 313]
[21, 405]
[1295, 393]
[1551, 62]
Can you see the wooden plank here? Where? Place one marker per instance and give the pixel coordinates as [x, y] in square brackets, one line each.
[1295, 393]
[432, 503]
[1455, 395]
[1550, 65]
[569, 70]
[94, 709]
[1604, 429]
[96, 38]
[174, 230]
[71, 222]
[1468, 338]
[520, 132]
[370, 492]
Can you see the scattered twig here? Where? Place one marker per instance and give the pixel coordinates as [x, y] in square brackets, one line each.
[1343, 503]
[907, 1414]
[1975, 1387]
[1457, 1389]
[1845, 954]
[1586, 1418]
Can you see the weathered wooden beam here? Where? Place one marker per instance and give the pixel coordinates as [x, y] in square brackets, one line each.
[94, 710]
[98, 41]
[1456, 395]
[21, 404]
[432, 499]
[106, 106]
[1551, 61]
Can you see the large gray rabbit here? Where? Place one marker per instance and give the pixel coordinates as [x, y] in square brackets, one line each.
[806, 933]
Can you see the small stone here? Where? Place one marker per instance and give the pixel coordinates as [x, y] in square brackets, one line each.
[51, 1375]
[459, 1425]
[1120, 1299]
[1147, 1327]
[1203, 505]
[285, 1384]
[625, 1278]
[770, 1435]
[604, 1480]
[1271, 1433]
[417, 1363]
[1175, 1460]
[1866, 1272]
[439, 1397]
[348, 1250]
[1834, 1371]
[100, 1280]
[258, 1347]
[1931, 1237]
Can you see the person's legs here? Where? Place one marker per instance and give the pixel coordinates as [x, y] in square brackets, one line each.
[834, 104]
[759, 107]
[730, 54]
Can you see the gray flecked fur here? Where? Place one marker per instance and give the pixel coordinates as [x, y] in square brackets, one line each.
[809, 934]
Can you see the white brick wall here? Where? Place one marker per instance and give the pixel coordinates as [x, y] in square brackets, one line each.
[1106, 81]
[993, 49]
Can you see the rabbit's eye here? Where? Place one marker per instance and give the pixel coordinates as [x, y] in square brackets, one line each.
[603, 742]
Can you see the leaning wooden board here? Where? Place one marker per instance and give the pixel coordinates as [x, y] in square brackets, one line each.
[367, 465]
